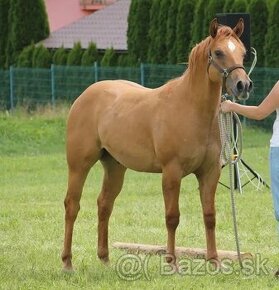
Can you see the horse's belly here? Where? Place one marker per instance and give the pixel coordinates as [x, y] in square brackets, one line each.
[133, 156]
[132, 147]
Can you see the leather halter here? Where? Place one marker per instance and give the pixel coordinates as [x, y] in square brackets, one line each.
[224, 71]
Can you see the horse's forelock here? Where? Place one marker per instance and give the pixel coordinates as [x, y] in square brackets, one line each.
[226, 31]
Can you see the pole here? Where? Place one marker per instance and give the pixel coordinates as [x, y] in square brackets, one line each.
[237, 181]
[11, 75]
[96, 71]
[142, 74]
[52, 85]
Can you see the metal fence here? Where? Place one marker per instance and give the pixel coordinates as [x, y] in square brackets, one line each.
[30, 86]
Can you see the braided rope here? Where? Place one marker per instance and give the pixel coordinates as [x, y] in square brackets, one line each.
[231, 140]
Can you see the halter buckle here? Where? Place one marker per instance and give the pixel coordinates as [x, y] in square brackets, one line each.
[225, 73]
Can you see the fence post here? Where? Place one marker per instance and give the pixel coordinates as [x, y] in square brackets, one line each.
[142, 76]
[96, 71]
[52, 85]
[11, 76]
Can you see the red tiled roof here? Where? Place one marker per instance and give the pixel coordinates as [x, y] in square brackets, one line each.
[106, 28]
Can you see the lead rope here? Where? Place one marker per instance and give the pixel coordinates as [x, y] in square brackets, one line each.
[231, 140]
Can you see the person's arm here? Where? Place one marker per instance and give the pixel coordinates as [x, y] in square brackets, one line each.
[268, 105]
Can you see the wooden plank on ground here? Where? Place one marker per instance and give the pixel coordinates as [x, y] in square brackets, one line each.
[180, 251]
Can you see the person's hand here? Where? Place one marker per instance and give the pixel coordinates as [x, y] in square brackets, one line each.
[226, 106]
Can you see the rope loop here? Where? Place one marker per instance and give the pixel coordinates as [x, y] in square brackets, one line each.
[231, 137]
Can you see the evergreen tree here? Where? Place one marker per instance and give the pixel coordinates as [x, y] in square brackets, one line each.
[132, 28]
[259, 17]
[60, 56]
[138, 20]
[28, 23]
[41, 57]
[75, 55]
[171, 32]
[198, 31]
[239, 6]
[185, 19]
[109, 58]
[153, 56]
[25, 57]
[127, 60]
[162, 32]
[272, 39]
[4, 12]
[90, 55]
[228, 6]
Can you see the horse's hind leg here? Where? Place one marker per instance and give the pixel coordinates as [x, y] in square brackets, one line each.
[76, 181]
[112, 184]
[80, 160]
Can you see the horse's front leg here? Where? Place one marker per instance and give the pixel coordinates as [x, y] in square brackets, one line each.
[171, 181]
[207, 184]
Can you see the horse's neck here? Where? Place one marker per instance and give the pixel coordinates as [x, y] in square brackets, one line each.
[203, 94]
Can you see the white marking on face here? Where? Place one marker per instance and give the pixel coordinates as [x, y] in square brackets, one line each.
[231, 45]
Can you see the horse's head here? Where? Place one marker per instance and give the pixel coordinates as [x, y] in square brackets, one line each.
[225, 59]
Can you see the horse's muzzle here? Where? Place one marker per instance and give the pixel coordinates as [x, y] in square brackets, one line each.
[242, 89]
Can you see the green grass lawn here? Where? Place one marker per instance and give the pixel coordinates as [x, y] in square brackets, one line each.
[33, 178]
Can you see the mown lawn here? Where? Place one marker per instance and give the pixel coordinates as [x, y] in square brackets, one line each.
[33, 180]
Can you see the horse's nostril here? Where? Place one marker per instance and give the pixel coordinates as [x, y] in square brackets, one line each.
[240, 86]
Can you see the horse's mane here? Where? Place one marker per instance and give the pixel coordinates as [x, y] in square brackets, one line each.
[200, 51]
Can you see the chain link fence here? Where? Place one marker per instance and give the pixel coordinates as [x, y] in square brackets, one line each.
[30, 86]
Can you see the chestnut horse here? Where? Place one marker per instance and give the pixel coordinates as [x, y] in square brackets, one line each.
[171, 130]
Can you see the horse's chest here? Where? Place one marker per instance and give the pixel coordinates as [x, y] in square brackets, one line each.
[195, 152]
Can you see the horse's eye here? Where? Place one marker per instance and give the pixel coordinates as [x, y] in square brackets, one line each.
[219, 53]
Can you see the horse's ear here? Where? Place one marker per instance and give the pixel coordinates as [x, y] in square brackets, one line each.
[239, 28]
[213, 27]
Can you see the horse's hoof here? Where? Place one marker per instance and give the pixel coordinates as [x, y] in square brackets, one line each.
[216, 263]
[105, 261]
[68, 270]
[276, 275]
[170, 259]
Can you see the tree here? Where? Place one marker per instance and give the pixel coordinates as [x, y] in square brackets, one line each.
[109, 58]
[171, 32]
[185, 18]
[41, 57]
[162, 32]
[25, 57]
[153, 33]
[4, 12]
[259, 18]
[272, 39]
[132, 28]
[60, 56]
[228, 6]
[138, 27]
[90, 55]
[198, 31]
[239, 6]
[28, 23]
[126, 60]
[75, 55]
